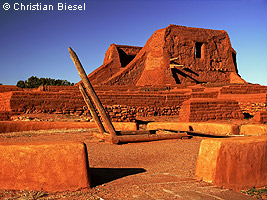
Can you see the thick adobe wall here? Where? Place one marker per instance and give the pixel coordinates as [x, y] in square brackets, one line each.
[46, 102]
[260, 117]
[244, 93]
[28, 166]
[196, 110]
[5, 101]
[52, 88]
[206, 55]
[243, 89]
[116, 58]
[126, 103]
[8, 88]
[233, 163]
[4, 116]
[177, 55]
[121, 105]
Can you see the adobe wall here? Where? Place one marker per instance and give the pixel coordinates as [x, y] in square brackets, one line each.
[4, 116]
[243, 89]
[260, 117]
[116, 58]
[48, 166]
[18, 126]
[121, 106]
[195, 110]
[126, 103]
[5, 101]
[178, 55]
[233, 163]
[8, 88]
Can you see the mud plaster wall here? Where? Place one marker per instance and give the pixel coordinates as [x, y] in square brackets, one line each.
[121, 107]
[116, 58]
[213, 61]
[125, 103]
[8, 88]
[217, 56]
[195, 110]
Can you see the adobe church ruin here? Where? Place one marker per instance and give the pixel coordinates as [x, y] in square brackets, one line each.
[173, 55]
[190, 73]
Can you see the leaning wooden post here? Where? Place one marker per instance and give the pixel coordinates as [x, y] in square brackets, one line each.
[92, 109]
[92, 93]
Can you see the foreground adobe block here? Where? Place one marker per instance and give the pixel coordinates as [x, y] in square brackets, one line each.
[196, 110]
[234, 163]
[53, 166]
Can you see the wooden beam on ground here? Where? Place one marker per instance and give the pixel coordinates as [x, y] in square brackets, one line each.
[92, 109]
[92, 93]
[148, 137]
[137, 132]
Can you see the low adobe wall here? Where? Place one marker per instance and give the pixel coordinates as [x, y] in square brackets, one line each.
[4, 116]
[8, 88]
[53, 166]
[245, 98]
[260, 117]
[195, 110]
[253, 129]
[243, 89]
[17, 126]
[201, 127]
[233, 163]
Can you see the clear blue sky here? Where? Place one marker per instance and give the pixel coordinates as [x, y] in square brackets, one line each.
[36, 42]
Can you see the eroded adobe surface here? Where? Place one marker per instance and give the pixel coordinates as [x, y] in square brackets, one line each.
[173, 55]
[179, 72]
[127, 103]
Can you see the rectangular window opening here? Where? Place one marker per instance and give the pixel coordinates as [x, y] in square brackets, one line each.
[198, 46]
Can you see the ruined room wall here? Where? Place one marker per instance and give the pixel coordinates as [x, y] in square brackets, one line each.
[195, 110]
[8, 88]
[5, 101]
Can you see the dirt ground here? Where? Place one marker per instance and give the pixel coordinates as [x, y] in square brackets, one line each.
[149, 170]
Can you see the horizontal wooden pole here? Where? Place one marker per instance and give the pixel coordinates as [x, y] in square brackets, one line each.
[147, 137]
[137, 132]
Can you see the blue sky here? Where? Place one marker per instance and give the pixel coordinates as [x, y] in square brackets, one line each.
[35, 43]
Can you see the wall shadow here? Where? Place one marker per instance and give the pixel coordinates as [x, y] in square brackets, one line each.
[100, 176]
[190, 71]
[175, 73]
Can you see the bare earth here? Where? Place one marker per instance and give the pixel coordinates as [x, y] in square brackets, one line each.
[149, 170]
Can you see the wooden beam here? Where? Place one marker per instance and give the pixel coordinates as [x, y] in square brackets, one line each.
[92, 109]
[92, 93]
[148, 137]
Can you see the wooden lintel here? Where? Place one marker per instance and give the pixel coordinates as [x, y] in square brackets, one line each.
[176, 58]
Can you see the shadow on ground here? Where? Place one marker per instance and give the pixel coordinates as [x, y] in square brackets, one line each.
[104, 175]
